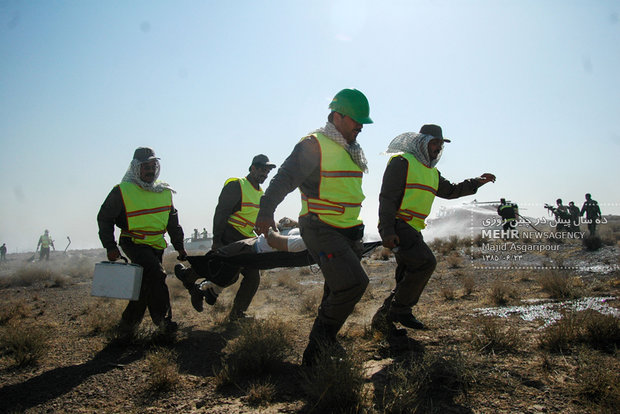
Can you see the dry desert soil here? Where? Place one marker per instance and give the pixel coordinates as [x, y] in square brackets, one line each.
[505, 359]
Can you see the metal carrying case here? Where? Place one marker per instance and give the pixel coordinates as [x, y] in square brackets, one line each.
[117, 280]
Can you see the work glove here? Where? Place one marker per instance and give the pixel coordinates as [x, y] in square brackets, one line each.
[182, 255]
[114, 254]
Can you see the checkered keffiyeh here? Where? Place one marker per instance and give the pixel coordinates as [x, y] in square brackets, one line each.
[415, 144]
[355, 150]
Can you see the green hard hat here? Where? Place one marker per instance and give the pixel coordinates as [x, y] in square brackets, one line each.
[352, 103]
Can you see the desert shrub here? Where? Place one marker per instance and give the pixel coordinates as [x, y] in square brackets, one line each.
[25, 345]
[600, 331]
[559, 285]
[163, 369]
[260, 349]
[422, 386]
[448, 292]
[562, 335]
[60, 280]
[80, 268]
[494, 335]
[469, 284]
[261, 393]
[597, 383]
[499, 293]
[31, 275]
[310, 302]
[13, 310]
[335, 385]
[454, 260]
[101, 316]
[592, 243]
[479, 240]
[286, 279]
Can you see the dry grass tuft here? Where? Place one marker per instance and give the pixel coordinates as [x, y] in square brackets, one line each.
[454, 260]
[492, 335]
[335, 385]
[469, 284]
[102, 316]
[261, 393]
[163, 369]
[598, 383]
[589, 328]
[31, 275]
[448, 292]
[10, 311]
[500, 293]
[260, 349]
[310, 301]
[422, 386]
[25, 345]
[559, 285]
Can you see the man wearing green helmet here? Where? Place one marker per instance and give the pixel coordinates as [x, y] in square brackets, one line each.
[327, 166]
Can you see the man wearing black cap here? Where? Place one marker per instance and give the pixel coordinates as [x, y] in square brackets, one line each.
[234, 220]
[410, 184]
[141, 206]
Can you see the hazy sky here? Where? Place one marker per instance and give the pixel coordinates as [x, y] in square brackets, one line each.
[527, 90]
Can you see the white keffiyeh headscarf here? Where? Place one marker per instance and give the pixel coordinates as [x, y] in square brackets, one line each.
[133, 176]
[415, 144]
[354, 149]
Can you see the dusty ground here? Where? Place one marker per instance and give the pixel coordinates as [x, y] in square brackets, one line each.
[84, 372]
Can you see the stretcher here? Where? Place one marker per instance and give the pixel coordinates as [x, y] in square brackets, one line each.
[223, 269]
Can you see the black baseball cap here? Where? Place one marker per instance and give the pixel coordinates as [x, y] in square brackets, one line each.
[261, 160]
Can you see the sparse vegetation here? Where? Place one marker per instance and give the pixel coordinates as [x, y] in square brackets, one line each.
[464, 362]
[24, 344]
[335, 384]
[494, 335]
[419, 385]
[559, 284]
[469, 284]
[499, 293]
[163, 369]
[261, 393]
[260, 349]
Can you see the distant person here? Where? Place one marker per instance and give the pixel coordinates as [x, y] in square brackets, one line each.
[410, 184]
[210, 291]
[561, 214]
[573, 211]
[327, 166]
[234, 218]
[593, 213]
[3, 252]
[508, 212]
[204, 234]
[141, 206]
[45, 241]
[195, 235]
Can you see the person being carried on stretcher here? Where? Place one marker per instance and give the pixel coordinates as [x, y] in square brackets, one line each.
[207, 289]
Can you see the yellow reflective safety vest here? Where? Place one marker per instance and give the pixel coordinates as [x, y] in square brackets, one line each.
[244, 220]
[46, 241]
[147, 214]
[420, 190]
[340, 188]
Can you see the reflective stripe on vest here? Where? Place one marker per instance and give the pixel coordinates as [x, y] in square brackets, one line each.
[244, 220]
[340, 189]
[46, 241]
[510, 206]
[147, 214]
[420, 190]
